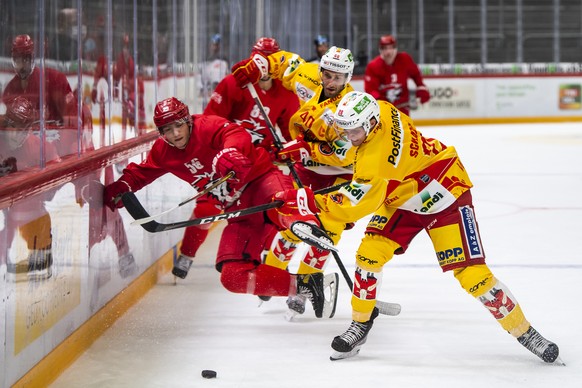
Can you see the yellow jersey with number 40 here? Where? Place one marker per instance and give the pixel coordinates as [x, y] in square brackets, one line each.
[314, 119]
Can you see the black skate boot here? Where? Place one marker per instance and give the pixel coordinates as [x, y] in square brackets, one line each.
[349, 343]
[538, 345]
[313, 287]
[181, 267]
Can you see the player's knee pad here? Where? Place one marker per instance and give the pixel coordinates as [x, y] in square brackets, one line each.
[475, 279]
[374, 252]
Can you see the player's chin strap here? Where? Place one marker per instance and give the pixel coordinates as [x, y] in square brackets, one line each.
[383, 307]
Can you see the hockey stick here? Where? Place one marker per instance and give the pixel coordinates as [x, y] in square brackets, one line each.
[212, 185]
[137, 211]
[383, 307]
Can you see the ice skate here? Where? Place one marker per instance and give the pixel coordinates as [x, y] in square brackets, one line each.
[312, 235]
[181, 267]
[296, 305]
[314, 286]
[541, 347]
[349, 343]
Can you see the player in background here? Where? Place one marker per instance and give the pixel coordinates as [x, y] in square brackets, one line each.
[386, 76]
[124, 78]
[212, 70]
[321, 45]
[199, 149]
[60, 104]
[20, 150]
[321, 158]
[412, 183]
[237, 105]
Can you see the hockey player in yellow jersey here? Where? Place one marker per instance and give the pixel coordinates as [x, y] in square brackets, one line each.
[322, 159]
[411, 183]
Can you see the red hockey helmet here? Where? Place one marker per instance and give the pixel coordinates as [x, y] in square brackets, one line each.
[22, 45]
[266, 46]
[386, 40]
[170, 110]
[20, 113]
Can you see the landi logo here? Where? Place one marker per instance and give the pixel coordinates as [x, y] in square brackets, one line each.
[570, 96]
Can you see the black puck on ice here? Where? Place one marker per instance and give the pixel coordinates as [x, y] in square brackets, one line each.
[208, 374]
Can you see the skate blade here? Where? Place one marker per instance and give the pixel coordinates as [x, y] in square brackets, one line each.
[290, 315]
[558, 361]
[343, 355]
[330, 284]
[312, 236]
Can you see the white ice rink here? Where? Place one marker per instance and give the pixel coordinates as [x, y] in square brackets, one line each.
[527, 178]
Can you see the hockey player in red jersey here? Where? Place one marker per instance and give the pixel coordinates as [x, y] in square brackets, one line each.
[320, 161]
[237, 105]
[386, 76]
[200, 148]
[20, 150]
[410, 183]
[60, 104]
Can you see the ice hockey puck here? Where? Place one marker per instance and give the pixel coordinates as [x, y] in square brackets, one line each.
[208, 374]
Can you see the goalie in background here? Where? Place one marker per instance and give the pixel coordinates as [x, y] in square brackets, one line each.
[414, 184]
[200, 148]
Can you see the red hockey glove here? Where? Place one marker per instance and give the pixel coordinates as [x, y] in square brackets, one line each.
[250, 70]
[230, 159]
[422, 94]
[296, 151]
[298, 205]
[112, 194]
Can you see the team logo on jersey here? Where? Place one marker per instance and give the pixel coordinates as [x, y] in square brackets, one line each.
[253, 127]
[337, 198]
[325, 148]
[355, 191]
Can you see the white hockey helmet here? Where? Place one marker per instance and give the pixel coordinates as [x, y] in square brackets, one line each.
[339, 60]
[355, 110]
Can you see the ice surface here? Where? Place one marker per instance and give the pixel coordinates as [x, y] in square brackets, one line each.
[527, 180]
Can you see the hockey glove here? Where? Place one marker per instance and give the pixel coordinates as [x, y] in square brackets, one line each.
[113, 192]
[250, 70]
[298, 205]
[230, 159]
[422, 94]
[296, 151]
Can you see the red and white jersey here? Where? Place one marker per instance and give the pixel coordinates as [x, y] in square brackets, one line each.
[235, 104]
[389, 82]
[193, 164]
[59, 99]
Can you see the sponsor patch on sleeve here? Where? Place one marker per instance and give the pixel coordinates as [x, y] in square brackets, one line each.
[355, 191]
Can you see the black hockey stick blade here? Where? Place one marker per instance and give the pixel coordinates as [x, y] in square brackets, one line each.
[136, 210]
